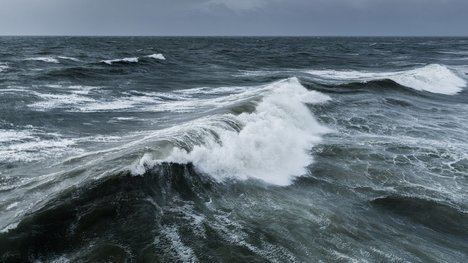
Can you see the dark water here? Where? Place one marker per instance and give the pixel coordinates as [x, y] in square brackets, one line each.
[233, 149]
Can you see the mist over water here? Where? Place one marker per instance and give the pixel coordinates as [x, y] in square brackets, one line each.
[147, 149]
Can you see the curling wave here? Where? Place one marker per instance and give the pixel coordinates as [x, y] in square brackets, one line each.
[433, 78]
[271, 144]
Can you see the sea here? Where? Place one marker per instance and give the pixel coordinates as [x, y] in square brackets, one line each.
[233, 149]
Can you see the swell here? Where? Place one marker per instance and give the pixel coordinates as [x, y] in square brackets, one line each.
[434, 214]
[246, 137]
[83, 221]
[99, 70]
[433, 78]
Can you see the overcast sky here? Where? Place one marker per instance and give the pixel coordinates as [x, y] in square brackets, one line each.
[234, 17]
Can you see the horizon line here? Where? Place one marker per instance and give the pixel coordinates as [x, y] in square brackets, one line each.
[344, 36]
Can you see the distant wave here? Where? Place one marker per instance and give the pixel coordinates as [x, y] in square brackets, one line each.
[433, 78]
[270, 144]
[44, 59]
[157, 56]
[76, 99]
[121, 60]
[69, 58]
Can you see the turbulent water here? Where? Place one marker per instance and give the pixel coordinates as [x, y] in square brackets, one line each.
[233, 149]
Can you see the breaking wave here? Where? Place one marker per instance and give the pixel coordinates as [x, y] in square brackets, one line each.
[121, 60]
[157, 56]
[270, 144]
[433, 78]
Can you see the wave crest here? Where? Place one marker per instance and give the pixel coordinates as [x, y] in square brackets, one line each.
[120, 60]
[44, 59]
[157, 56]
[272, 144]
[433, 78]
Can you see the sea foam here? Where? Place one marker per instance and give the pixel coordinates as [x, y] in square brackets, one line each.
[433, 78]
[273, 144]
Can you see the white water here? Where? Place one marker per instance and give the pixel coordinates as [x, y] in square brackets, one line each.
[433, 78]
[273, 144]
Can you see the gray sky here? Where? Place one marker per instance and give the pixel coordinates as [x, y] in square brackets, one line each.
[234, 17]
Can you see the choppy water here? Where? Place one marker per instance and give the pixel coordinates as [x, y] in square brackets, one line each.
[233, 149]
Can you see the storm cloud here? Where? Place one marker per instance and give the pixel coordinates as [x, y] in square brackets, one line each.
[234, 17]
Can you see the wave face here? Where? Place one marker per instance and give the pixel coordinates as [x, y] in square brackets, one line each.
[174, 149]
[258, 149]
[433, 78]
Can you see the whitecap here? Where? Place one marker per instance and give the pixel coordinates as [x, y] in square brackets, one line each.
[433, 78]
[4, 67]
[69, 58]
[157, 56]
[44, 59]
[127, 60]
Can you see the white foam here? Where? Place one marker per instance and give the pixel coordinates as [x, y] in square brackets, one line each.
[110, 105]
[14, 135]
[9, 227]
[52, 101]
[3, 66]
[211, 90]
[34, 149]
[272, 146]
[128, 60]
[183, 252]
[77, 89]
[433, 78]
[82, 90]
[157, 56]
[12, 205]
[69, 58]
[44, 59]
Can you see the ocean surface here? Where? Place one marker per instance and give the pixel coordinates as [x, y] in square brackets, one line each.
[184, 149]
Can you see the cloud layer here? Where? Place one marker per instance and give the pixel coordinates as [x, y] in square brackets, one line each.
[234, 17]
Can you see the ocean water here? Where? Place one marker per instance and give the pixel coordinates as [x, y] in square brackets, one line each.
[173, 149]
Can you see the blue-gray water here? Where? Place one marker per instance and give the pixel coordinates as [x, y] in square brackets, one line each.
[233, 149]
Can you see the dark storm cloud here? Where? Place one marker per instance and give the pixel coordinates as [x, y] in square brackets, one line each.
[234, 17]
